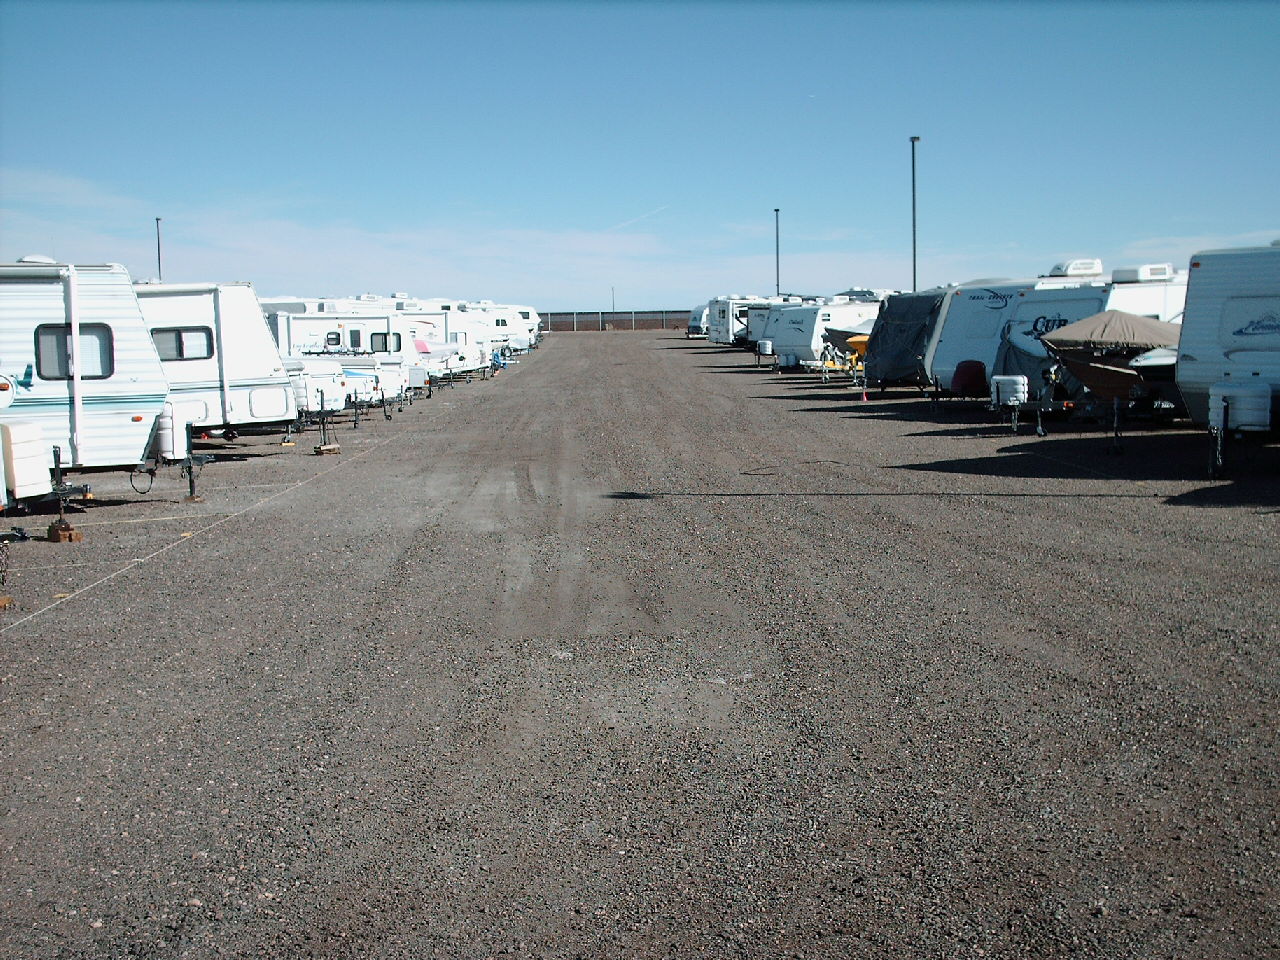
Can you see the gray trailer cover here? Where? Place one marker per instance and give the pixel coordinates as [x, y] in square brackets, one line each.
[895, 352]
[1012, 361]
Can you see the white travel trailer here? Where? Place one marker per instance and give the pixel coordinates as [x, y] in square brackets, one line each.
[758, 315]
[508, 332]
[319, 384]
[1155, 290]
[450, 341]
[796, 331]
[527, 324]
[1230, 345]
[224, 369]
[727, 318]
[1000, 324]
[80, 367]
[376, 351]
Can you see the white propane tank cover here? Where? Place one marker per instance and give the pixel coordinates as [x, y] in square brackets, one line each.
[1008, 390]
[766, 348]
[1080, 267]
[1249, 405]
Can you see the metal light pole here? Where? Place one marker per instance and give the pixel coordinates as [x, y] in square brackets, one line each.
[613, 301]
[159, 269]
[777, 256]
[914, 141]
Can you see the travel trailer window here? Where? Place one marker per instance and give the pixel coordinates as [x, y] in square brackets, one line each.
[524, 314]
[500, 322]
[333, 339]
[53, 351]
[353, 338]
[384, 342]
[183, 343]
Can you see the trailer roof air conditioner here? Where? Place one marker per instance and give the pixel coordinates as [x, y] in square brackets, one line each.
[1081, 267]
[1143, 274]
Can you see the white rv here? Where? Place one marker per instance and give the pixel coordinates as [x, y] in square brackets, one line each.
[796, 330]
[510, 328]
[359, 331]
[79, 365]
[224, 369]
[319, 383]
[727, 318]
[758, 314]
[527, 324]
[1230, 345]
[697, 328]
[1000, 324]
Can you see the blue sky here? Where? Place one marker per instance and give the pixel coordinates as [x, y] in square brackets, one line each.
[547, 152]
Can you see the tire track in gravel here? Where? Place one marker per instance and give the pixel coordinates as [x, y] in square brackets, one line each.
[730, 713]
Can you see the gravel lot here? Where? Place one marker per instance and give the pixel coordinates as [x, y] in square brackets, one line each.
[641, 651]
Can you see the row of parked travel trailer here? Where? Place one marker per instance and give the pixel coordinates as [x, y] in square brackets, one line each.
[1204, 340]
[793, 327]
[100, 372]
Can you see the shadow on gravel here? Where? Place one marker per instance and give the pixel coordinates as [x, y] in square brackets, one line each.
[931, 494]
[695, 345]
[716, 368]
[1181, 456]
[1245, 492]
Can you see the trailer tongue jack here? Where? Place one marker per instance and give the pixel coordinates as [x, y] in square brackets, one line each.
[61, 530]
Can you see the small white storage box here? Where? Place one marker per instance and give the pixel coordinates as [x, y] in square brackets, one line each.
[28, 459]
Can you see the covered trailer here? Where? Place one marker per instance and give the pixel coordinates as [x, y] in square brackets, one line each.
[902, 331]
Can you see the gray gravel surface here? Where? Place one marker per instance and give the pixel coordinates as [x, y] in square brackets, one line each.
[641, 651]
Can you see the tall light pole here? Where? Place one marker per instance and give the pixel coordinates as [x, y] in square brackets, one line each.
[777, 256]
[914, 141]
[613, 301]
[159, 269]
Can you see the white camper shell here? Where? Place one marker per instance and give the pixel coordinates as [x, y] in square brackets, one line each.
[79, 371]
[1230, 345]
[224, 369]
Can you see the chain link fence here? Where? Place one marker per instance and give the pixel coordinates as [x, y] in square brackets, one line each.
[565, 321]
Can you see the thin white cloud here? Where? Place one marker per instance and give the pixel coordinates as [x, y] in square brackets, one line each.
[643, 216]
